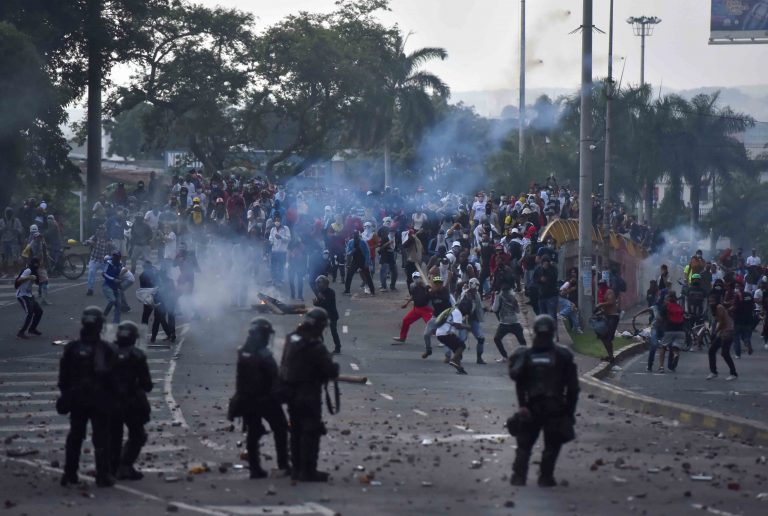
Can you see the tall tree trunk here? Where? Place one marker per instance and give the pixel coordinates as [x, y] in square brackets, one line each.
[648, 192]
[95, 72]
[695, 196]
[387, 163]
[11, 157]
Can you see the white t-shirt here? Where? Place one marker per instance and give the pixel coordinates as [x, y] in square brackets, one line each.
[169, 252]
[25, 289]
[479, 208]
[151, 219]
[753, 260]
[280, 245]
[447, 328]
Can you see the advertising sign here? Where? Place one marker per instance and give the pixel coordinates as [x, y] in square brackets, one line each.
[739, 20]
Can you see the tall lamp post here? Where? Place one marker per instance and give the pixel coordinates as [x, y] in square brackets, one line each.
[609, 92]
[585, 166]
[643, 26]
[521, 127]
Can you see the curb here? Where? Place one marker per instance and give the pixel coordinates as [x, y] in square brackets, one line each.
[734, 427]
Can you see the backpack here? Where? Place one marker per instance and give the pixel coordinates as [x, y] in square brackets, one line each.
[675, 314]
[197, 216]
[443, 317]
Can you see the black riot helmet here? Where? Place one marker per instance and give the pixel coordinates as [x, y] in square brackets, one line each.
[544, 326]
[260, 327]
[315, 321]
[92, 320]
[260, 333]
[127, 333]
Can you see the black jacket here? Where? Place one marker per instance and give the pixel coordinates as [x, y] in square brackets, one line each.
[131, 378]
[85, 374]
[546, 379]
[306, 365]
[326, 299]
[257, 376]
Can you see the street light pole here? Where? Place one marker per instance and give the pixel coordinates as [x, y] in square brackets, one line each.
[521, 124]
[643, 26]
[608, 118]
[585, 166]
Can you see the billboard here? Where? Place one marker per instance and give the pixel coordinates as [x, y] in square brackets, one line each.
[739, 20]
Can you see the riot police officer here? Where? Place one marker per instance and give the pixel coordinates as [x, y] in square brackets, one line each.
[87, 395]
[547, 387]
[306, 366]
[255, 395]
[132, 381]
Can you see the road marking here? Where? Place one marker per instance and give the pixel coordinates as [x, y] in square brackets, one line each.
[21, 384]
[21, 403]
[28, 394]
[386, 396]
[420, 412]
[120, 487]
[28, 415]
[35, 428]
[175, 409]
[50, 373]
[499, 438]
[354, 366]
[250, 510]
[345, 329]
[466, 429]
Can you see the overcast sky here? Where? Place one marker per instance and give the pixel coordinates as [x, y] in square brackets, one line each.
[481, 37]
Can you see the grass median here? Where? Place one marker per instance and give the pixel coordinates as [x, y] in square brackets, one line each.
[588, 344]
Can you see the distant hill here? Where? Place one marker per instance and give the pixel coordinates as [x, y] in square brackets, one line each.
[490, 103]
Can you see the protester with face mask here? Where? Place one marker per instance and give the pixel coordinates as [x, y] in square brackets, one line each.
[111, 285]
[32, 311]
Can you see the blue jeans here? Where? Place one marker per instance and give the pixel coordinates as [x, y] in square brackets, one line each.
[567, 310]
[742, 333]
[477, 331]
[277, 266]
[548, 305]
[113, 301]
[654, 345]
[94, 266]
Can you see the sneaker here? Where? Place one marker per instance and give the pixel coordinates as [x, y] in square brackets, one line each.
[398, 340]
[502, 359]
[347, 293]
[710, 376]
[547, 482]
[337, 351]
[383, 289]
[22, 335]
[393, 289]
[648, 369]
[660, 370]
[34, 332]
[517, 480]
[481, 361]
[367, 290]
[750, 350]
[731, 377]
[765, 347]
[737, 357]
[426, 354]
[616, 368]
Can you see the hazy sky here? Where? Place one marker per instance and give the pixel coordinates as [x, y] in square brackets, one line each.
[481, 37]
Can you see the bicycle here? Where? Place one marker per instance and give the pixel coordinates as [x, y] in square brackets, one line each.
[696, 332]
[69, 265]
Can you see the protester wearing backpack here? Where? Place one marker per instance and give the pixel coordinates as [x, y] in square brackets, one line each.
[673, 316]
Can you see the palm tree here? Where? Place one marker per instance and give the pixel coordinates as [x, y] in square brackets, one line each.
[710, 150]
[406, 97]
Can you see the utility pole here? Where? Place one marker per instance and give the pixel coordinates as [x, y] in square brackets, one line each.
[609, 92]
[521, 125]
[585, 166]
[643, 26]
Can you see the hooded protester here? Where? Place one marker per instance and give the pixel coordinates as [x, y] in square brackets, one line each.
[38, 248]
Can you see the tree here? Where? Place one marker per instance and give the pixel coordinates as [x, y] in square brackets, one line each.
[405, 94]
[322, 77]
[80, 41]
[709, 149]
[192, 76]
[32, 151]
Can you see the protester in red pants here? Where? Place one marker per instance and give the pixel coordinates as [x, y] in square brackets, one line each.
[421, 307]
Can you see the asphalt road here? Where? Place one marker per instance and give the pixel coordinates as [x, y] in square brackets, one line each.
[746, 397]
[418, 439]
